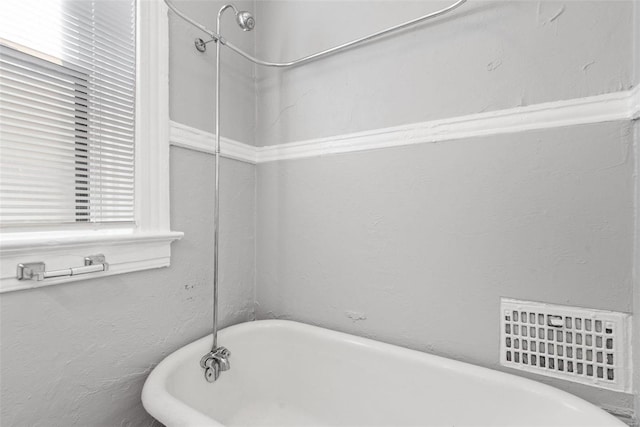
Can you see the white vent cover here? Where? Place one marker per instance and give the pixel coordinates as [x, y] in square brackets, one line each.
[582, 345]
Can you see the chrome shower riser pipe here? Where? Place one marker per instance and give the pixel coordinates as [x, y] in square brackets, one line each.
[217, 359]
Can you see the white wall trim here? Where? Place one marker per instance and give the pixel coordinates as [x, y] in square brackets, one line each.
[594, 109]
[152, 115]
[195, 139]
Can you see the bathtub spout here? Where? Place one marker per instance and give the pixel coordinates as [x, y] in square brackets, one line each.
[215, 362]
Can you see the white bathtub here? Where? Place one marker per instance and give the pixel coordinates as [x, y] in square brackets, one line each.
[291, 374]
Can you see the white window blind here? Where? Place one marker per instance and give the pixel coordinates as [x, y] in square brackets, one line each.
[67, 119]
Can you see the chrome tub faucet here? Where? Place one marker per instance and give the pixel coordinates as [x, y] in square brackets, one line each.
[214, 362]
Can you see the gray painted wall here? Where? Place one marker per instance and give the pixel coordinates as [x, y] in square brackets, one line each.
[636, 310]
[486, 56]
[416, 245]
[636, 291]
[636, 38]
[78, 354]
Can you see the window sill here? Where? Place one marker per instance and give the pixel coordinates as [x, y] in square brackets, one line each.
[125, 251]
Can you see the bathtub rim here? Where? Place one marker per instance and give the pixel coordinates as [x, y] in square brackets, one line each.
[157, 400]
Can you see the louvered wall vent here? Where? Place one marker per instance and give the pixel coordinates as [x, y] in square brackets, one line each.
[576, 344]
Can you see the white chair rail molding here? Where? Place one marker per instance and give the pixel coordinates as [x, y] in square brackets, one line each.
[624, 105]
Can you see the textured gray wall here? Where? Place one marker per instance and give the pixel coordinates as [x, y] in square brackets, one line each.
[486, 56]
[636, 38]
[636, 310]
[78, 354]
[416, 245]
[636, 291]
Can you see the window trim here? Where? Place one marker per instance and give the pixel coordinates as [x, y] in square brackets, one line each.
[146, 245]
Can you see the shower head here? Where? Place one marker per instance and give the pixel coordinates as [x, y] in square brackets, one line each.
[245, 20]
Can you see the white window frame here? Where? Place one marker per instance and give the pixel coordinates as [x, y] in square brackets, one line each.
[146, 245]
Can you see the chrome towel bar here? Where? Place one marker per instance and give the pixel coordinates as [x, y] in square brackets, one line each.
[37, 270]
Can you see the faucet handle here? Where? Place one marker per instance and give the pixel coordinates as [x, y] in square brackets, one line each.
[224, 364]
[222, 356]
[206, 358]
[210, 363]
[212, 373]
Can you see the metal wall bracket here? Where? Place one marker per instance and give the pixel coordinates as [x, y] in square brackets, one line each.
[96, 259]
[201, 45]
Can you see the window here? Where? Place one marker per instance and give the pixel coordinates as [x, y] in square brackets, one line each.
[44, 145]
[83, 136]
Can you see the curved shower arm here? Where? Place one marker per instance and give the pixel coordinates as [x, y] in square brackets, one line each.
[218, 38]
